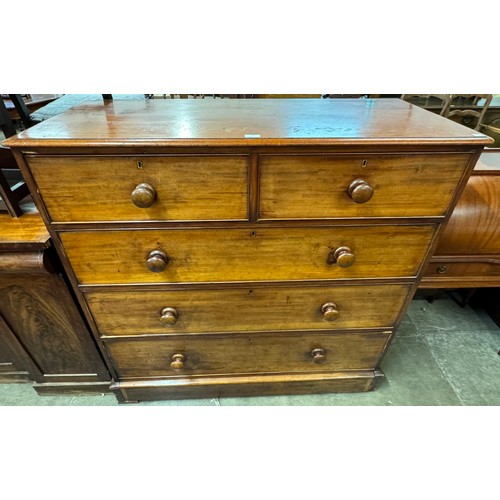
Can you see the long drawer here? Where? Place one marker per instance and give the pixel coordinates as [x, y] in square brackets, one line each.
[302, 187]
[219, 354]
[103, 188]
[218, 255]
[246, 309]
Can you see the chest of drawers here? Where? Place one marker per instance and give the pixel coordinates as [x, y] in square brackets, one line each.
[239, 247]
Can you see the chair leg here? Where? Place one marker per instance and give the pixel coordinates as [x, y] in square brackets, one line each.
[463, 301]
[9, 198]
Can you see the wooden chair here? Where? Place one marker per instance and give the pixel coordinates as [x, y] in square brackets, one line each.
[429, 100]
[469, 109]
[22, 110]
[13, 189]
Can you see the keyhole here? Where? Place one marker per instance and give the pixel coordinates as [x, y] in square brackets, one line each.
[139, 164]
[364, 163]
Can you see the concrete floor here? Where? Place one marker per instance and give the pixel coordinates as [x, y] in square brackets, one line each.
[442, 355]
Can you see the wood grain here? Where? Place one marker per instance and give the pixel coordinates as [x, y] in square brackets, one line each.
[25, 262]
[246, 385]
[246, 309]
[245, 353]
[298, 187]
[246, 122]
[42, 313]
[15, 364]
[27, 233]
[218, 255]
[474, 226]
[88, 188]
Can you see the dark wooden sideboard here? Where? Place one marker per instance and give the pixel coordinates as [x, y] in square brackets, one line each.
[222, 247]
[43, 336]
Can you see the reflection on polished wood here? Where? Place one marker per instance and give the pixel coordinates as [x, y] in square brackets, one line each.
[244, 122]
[468, 253]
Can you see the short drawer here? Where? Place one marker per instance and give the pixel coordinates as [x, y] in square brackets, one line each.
[186, 355]
[171, 188]
[218, 255]
[299, 187]
[482, 268]
[247, 309]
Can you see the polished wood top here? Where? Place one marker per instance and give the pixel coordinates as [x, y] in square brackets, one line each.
[242, 122]
[24, 233]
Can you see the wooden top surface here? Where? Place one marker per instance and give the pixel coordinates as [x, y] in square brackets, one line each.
[27, 232]
[242, 122]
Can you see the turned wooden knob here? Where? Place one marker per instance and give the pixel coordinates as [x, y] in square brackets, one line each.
[342, 256]
[143, 196]
[442, 269]
[360, 191]
[168, 316]
[330, 311]
[318, 356]
[157, 261]
[177, 361]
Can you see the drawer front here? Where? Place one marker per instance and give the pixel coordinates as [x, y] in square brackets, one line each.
[298, 187]
[187, 355]
[218, 255]
[246, 309]
[103, 188]
[484, 268]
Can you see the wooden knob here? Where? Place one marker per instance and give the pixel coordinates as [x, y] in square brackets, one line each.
[442, 269]
[360, 191]
[177, 361]
[143, 196]
[342, 256]
[330, 311]
[157, 261]
[168, 316]
[318, 356]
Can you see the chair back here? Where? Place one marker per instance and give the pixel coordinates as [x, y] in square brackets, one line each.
[469, 109]
[429, 100]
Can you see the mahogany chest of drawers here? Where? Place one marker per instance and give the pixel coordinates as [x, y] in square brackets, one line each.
[239, 247]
